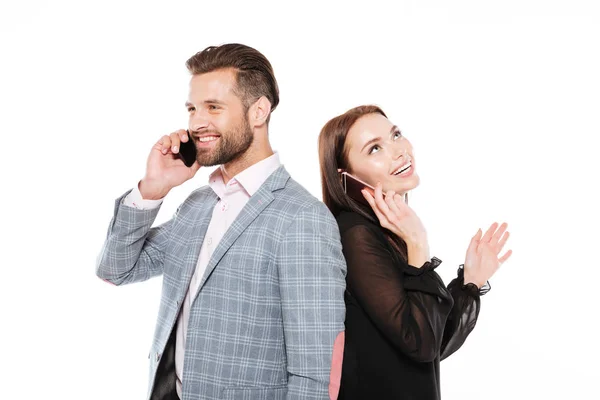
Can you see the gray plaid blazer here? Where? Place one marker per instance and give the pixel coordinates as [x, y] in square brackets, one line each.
[270, 305]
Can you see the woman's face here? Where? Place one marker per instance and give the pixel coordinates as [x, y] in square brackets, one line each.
[377, 152]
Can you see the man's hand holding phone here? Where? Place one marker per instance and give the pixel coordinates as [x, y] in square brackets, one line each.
[165, 168]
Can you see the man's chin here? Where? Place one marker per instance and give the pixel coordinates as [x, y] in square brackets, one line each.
[207, 158]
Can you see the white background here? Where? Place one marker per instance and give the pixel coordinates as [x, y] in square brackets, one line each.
[500, 99]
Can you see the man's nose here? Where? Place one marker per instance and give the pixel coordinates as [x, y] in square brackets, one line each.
[198, 122]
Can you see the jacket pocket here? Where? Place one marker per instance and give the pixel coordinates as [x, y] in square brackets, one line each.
[255, 393]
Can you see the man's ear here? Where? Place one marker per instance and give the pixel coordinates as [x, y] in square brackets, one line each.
[259, 111]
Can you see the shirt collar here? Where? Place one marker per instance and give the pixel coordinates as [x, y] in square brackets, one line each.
[250, 179]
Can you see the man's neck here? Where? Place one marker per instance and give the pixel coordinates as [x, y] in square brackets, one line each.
[244, 161]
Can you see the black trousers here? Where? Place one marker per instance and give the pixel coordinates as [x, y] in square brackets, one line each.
[165, 381]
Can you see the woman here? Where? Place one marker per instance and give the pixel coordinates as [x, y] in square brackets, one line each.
[401, 320]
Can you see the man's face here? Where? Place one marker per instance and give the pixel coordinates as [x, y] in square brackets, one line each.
[218, 122]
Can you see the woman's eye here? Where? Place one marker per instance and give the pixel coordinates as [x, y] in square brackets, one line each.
[397, 135]
[374, 149]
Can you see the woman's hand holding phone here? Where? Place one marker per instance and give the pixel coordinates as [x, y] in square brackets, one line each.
[395, 215]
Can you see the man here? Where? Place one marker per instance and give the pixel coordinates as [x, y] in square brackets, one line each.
[252, 302]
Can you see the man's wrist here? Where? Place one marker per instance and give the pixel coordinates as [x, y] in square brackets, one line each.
[150, 191]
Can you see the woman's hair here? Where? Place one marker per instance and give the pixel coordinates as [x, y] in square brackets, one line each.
[333, 156]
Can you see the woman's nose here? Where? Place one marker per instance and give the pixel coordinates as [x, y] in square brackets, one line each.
[400, 151]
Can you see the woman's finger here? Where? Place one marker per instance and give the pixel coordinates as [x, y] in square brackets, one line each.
[489, 233]
[400, 203]
[394, 214]
[498, 234]
[505, 257]
[371, 200]
[475, 241]
[379, 200]
[502, 242]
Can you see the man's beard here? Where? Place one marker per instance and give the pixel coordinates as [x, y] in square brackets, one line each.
[232, 144]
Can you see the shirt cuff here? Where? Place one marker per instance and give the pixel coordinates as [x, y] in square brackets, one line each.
[427, 266]
[134, 199]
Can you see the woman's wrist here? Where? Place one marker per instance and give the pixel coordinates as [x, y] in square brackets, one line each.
[469, 281]
[418, 254]
[474, 281]
[471, 278]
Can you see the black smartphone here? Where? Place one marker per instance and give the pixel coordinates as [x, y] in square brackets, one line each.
[353, 186]
[187, 151]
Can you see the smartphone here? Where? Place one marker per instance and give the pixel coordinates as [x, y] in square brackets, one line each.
[353, 186]
[187, 151]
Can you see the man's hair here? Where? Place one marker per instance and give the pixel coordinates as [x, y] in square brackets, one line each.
[254, 73]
